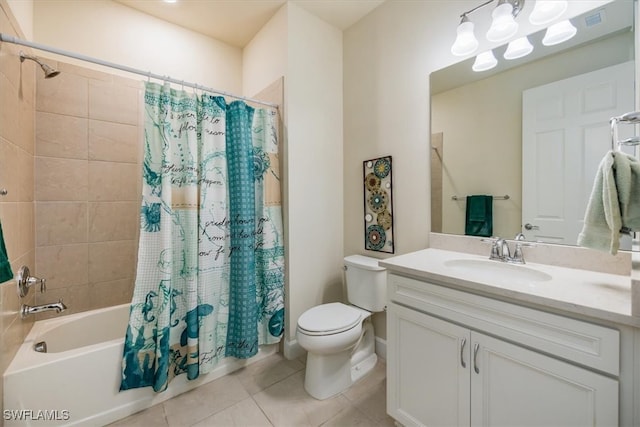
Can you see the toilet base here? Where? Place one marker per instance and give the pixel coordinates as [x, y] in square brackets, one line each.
[329, 374]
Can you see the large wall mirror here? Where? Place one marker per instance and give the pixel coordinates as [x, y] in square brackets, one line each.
[532, 131]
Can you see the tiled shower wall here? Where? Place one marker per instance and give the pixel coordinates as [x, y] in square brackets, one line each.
[87, 186]
[17, 106]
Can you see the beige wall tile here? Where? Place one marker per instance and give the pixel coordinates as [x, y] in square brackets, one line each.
[26, 129]
[26, 228]
[60, 223]
[28, 76]
[61, 179]
[8, 175]
[76, 298]
[65, 94]
[9, 111]
[10, 228]
[110, 261]
[115, 142]
[110, 221]
[107, 294]
[63, 266]
[10, 303]
[24, 171]
[112, 102]
[89, 73]
[58, 135]
[9, 61]
[110, 181]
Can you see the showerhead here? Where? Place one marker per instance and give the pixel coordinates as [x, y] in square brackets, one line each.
[49, 72]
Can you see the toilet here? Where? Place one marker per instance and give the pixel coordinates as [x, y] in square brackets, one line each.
[339, 338]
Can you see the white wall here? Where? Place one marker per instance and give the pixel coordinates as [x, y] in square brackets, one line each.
[23, 12]
[315, 145]
[113, 32]
[264, 58]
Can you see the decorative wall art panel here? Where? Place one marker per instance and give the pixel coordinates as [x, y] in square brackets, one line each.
[378, 206]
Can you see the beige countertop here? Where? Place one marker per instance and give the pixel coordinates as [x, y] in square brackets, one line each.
[596, 295]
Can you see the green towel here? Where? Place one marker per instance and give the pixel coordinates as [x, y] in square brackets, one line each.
[479, 216]
[614, 203]
[5, 267]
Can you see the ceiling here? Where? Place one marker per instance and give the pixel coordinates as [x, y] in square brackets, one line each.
[235, 22]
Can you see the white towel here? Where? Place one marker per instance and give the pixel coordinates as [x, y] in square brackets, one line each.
[614, 203]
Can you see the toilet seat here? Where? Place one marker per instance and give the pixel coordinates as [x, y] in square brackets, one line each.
[329, 319]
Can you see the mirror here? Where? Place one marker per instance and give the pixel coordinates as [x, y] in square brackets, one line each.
[532, 131]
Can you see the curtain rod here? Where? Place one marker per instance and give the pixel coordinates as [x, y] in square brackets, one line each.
[149, 74]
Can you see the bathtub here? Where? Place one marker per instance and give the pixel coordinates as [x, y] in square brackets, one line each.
[77, 381]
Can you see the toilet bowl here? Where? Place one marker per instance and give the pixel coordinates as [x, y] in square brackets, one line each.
[339, 338]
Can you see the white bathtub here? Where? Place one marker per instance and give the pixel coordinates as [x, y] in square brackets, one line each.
[77, 381]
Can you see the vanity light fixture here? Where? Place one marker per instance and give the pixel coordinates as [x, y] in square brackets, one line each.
[504, 27]
[484, 61]
[466, 42]
[558, 33]
[546, 11]
[518, 48]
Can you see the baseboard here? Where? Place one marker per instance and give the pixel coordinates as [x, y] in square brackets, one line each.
[381, 348]
[292, 349]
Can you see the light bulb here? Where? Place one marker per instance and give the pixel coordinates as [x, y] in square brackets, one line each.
[558, 33]
[545, 11]
[466, 42]
[518, 48]
[484, 61]
[503, 25]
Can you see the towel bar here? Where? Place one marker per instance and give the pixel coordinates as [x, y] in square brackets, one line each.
[505, 197]
[632, 117]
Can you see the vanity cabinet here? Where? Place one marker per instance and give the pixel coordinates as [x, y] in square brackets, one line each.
[458, 359]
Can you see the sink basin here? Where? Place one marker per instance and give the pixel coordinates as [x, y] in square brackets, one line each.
[496, 271]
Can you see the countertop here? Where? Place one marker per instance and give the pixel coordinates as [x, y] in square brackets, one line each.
[599, 296]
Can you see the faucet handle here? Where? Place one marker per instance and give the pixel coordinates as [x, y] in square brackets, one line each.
[495, 246]
[25, 281]
[32, 280]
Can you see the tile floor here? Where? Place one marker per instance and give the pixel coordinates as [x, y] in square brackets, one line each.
[271, 393]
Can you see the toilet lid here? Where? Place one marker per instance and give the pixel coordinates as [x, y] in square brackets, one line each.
[332, 318]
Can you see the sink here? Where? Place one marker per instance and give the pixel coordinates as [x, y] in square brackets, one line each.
[496, 271]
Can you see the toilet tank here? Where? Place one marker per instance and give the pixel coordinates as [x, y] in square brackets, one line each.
[366, 282]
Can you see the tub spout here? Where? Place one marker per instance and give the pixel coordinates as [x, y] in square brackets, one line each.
[27, 310]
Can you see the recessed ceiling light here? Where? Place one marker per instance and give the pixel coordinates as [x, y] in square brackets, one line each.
[170, 1]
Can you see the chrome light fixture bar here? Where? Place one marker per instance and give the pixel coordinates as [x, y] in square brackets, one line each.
[504, 27]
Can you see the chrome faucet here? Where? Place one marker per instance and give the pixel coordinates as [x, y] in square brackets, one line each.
[27, 310]
[500, 250]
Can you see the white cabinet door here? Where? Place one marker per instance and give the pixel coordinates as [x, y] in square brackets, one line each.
[428, 364]
[513, 386]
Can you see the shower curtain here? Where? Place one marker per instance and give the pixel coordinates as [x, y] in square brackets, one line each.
[210, 276]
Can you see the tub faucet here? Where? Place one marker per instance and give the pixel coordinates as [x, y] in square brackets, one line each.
[27, 310]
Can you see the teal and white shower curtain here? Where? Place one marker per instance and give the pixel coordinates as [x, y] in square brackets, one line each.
[210, 276]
